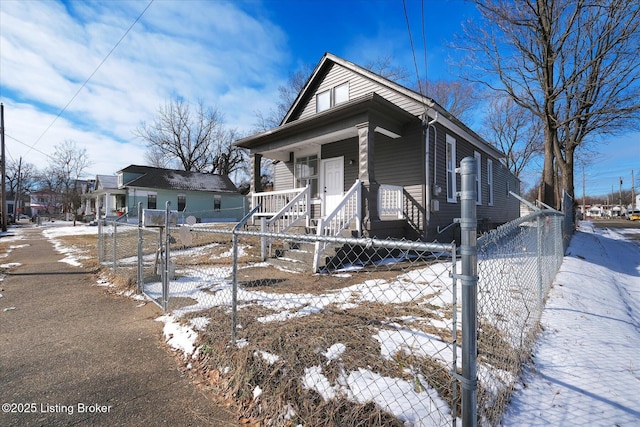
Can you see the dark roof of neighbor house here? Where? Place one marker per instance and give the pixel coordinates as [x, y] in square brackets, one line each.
[170, 179]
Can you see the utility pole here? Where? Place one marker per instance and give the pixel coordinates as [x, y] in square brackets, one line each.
[620, 194]
[2, 171]
[633, 192]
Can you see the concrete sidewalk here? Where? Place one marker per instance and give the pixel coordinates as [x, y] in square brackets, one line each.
[72, 354]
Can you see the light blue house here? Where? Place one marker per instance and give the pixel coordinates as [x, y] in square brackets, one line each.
[207, 197]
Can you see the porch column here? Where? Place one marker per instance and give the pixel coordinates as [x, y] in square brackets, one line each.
[366, 173]
[255, 185]
[107, 204]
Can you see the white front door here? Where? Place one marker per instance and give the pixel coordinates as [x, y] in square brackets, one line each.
[332, 182]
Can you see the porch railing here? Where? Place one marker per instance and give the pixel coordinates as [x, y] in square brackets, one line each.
[273, 202]
[296, 210]
[349, 209]
[390, 200]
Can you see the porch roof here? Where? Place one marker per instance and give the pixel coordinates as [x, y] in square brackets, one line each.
[332, 125]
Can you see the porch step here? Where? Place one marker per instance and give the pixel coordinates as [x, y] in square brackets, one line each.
[299, 256]
[294, 256]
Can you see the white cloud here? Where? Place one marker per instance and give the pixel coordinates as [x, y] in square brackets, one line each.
[209, 51]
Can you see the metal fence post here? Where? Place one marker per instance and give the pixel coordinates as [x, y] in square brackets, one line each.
[115, 245]
[469, 279]
[539, 225]
[100, 241]
[263, 239]
[234, 291]
[140, 254]
[165, 260]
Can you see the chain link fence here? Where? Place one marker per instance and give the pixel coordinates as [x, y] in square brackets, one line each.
[516, 266]
[376, 338]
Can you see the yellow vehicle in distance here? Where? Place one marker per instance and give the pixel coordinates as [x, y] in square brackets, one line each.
[634, 215]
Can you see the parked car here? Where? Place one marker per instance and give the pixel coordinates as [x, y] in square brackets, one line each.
[634, 215]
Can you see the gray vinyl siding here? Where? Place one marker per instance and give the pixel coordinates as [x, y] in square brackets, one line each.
[504, 208]
[283, 176]
[358, 86]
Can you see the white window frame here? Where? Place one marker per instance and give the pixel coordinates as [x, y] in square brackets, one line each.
[178, 196]
[340, 88]
[490, 180]
[329, 98]
[478, 157]
[321, 103]
[155, 195]
[452, 185]
[296, 160]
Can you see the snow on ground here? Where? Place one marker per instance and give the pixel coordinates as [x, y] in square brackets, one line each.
[54, 229]
[586, 368]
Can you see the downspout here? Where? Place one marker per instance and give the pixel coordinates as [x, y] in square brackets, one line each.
[426, 125]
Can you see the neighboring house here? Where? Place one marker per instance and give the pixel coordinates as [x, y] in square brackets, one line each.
[45, 203]
[358, 151]
[207, 197]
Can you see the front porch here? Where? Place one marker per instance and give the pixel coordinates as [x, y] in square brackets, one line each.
[290, 211]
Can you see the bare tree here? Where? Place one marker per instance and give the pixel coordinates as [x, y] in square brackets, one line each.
[456, 96]
[21, 177]
[572, 63]
[66, 166]
[181, 134]
[227, 157]
[384, 66]
[287, 94]
[513, 130]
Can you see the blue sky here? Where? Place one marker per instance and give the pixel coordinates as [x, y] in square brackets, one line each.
[232, 55]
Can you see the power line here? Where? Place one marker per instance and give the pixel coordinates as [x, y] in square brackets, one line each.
[89, 78]
[413, 52]
[29, 146]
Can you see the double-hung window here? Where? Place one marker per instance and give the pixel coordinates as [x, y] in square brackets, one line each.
[451, 169]
[152, 201]
[182, 202]
[478, 158]
[306, 173]
[217, 203]
[330, 97]
[490, 180]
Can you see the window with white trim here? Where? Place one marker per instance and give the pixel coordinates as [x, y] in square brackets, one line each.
[323, 101]
[490, 180]
[152, 201]
[182, 202]
[341, 93]
[451, 169]
[331, 97]
[306, 173]
[478, 158]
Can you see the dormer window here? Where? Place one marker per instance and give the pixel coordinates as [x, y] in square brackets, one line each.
[323, 101]
[334, 96]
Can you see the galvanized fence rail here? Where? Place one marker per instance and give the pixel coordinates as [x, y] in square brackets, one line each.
[384, 333]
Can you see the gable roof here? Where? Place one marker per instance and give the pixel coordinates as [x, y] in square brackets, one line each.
[106, 181]
[430, 107]
[169, 179]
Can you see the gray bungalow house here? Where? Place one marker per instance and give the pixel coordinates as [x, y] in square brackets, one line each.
[359, 152]
[208, 197]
